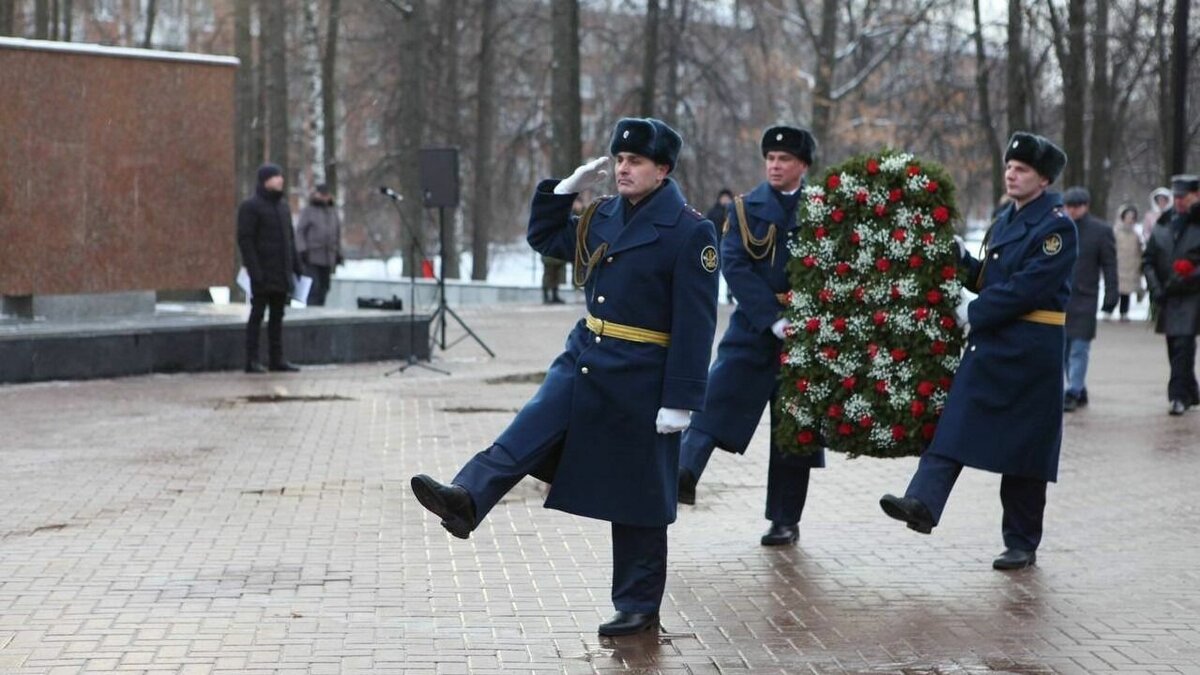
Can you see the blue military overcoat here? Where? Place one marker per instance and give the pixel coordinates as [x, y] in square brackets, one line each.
[657, 272]
[745, 376]
[1004, 411]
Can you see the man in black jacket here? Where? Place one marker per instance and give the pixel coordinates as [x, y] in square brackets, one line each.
[1097, 257]
[266, 240]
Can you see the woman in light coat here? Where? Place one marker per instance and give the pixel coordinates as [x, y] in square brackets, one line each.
[1129, 257]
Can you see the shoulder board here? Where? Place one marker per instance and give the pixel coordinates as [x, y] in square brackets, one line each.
[688, 208]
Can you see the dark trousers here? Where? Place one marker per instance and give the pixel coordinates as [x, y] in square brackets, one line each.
[258, 306]
[639, 553]
[320, 286]
[1023, 499]
[1181, 351]
[787, 475]
[1123, 306]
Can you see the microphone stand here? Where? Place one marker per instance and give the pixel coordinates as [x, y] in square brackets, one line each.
[414, 247]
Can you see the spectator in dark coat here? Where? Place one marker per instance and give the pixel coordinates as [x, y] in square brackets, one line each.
[1097, 255]
[265, 238]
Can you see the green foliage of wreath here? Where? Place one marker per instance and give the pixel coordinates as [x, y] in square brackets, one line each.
[874, 343]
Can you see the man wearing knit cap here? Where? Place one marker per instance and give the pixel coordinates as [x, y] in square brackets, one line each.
[1004, 413]
[1171, 264]
[266, 240]
[744, 378]
[604, 426]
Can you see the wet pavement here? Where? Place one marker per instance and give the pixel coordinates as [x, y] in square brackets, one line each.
[224, 522]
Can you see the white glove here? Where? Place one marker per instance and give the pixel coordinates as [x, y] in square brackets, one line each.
[779, 328]
[960, 312]
[590, 172]
[672, 420]
[963, 254]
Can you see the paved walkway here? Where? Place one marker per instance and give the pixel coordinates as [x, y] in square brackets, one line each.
[208, 523]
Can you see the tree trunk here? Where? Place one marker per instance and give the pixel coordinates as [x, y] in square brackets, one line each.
[151, 16]
[823, 82]
[1164, 90]
[53, 19]
[566, 111]
[257, 152]
[314, 131]
[1177, 150]
[410, 125]
[41, 19]
[983, 93]
[274, 36]
[245, 105]
[1103, 137]
[329, 95]
[1074, 71]
[6, 17]
[450, 120]
[68, 19]
[649, 60]
[485, 133]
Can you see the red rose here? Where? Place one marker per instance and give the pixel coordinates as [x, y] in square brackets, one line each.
[787, 298]
[927, 430]
[818, 199]
[921, 313]
[927, 238]
[805, 437]
[855, 238]
[812, 325]
[944, 383]
[866, 422]
[898, 432]
[926, 388]
[948, 272]
[859, 292]
[1184, 267]
[839, 325]
[899, 234]
[883, 264]
[845, 429]
[895, 195]
[842, 269]
[861, 196]
[938, 347]
[941, 214]
[809, 261]
[917, 408]
[830, 353]
[913, 170]
[879, 317]
[880, 210]
[833, 182]
[931, 187]
[837, 216]
[934, 296]
[872, 349]
[835, 411]
[948, 322]
[881, 386]
[898, 354]
[872, 166]
[915, 262]
[802, 385]
[820, 232]
[895, 292]
[825, 295]
[917, 219]
[849, 382]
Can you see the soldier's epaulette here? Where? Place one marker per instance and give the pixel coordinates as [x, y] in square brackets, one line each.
[692, 210]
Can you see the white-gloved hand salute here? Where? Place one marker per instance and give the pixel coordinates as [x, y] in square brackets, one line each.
[588, 173]
[672, 420]
[780, 328]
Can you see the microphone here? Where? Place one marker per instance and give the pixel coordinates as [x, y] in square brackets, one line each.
[390, 193]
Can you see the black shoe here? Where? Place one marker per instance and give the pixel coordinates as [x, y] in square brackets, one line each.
[1014, 559]
[1070, 403]
[687, 487]
[284, 367]
[1177, 408]
[451, 503]
[910, 510]
[1083, 399]
[629, 623]
[255, 367]
[780, 535]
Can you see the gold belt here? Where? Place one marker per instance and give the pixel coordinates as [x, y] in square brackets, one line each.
[630, 333]
[1046, 316]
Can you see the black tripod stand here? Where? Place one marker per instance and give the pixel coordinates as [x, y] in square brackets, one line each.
[414, 248]
[438, 324]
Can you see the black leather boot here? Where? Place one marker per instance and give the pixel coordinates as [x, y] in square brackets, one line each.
[1014, 559]
[629, 623]
[910, 510]
[781, 535]
[687, 487]
[451, 503]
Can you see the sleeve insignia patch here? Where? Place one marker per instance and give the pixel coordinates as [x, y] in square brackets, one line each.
[1052, 245]
[708, 259]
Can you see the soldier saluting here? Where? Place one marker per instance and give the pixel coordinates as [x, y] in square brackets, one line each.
[744, 378]
[1004, 413]
[604, 427]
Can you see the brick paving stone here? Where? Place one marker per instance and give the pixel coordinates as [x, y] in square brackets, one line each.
[167, 524]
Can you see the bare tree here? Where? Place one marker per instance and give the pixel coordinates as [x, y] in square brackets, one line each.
[6, 17]
[485, 134]
[245, 101]
[448, 117]
[329, 94]
[314, 131]
[1017, 58]
[565, 116]
[1180, 55]
[41, 19]
[1072, 59]
[1102, 114]
[151, 19]
[273, 42]
[649, 60]
[983, 92]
